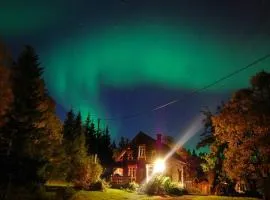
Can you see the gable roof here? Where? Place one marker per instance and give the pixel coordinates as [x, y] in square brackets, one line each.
[143, 138]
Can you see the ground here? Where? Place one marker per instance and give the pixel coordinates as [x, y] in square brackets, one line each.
[113, 194]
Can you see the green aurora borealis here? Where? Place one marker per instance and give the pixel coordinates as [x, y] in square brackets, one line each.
[133, 55]
[178, 46]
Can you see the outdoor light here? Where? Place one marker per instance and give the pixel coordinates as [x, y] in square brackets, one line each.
[159, 166]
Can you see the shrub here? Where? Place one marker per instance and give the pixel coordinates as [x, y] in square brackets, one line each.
[156, 185]
[131, 187]
[162, 185]
[99, 185]
[87, 173]
[173, 188]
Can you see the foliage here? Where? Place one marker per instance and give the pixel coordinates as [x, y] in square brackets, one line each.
[160, 184]
[98, 142]
[173, 188]
[87, 172]
[28, 130]
[155, 185]
[212, 162]
[238, 137]
[82, 169]
[131, 186]
[100, 185]
[243, 125]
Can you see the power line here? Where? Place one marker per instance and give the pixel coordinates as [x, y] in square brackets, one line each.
[192, 93]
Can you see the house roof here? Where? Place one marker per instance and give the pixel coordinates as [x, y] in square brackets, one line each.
[143, 138]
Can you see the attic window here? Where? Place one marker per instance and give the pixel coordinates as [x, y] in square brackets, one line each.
[141, 153]
[129, 155]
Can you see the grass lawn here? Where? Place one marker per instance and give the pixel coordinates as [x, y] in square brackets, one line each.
[114, 194]
[111, 194]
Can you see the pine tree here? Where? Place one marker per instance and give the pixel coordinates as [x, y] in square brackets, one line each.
[79, 144]
[68, 128]
[90, 135]
[26, 119]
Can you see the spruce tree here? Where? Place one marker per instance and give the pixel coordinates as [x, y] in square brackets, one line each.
[68, 128]
[26, 119]
[90, 135]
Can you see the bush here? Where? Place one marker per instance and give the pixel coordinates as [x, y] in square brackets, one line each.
[173, 188]
[155, 186]
[99, 185]
[162, 185]
[131, 187]
[87, 173]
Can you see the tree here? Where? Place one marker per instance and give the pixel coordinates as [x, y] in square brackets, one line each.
[212, 161]
[82, 169]
[68, 128]
[25, 128]
[243, 124]
[90, 134]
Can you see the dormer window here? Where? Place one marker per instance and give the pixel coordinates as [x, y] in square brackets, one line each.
[129, 155]
[141, 152]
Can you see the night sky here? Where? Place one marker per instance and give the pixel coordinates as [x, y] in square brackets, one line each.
[116, 58]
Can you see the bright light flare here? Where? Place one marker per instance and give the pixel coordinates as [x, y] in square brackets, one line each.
[159, 166]
[194, 128]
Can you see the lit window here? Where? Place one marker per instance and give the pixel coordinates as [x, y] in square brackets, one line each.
[132, 172]
[141, 153]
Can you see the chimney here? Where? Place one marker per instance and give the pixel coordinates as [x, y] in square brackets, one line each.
[158, 141]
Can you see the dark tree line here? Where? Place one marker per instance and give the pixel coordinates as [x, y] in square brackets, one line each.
[35, 146]
[95, 140]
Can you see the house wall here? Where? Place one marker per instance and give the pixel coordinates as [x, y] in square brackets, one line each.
[175, 170]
